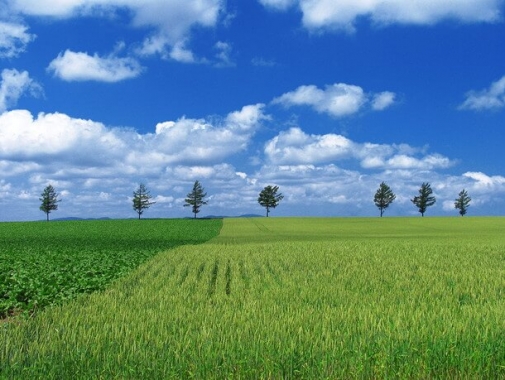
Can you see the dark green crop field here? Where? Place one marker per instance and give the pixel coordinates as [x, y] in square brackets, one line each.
[45, 263]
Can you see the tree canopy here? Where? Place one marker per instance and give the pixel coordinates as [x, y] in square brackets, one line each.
[383, 197]
[196, 198]
[142, 199]
[269, 198]
[462, 202]
[425, 198]
[49, 199]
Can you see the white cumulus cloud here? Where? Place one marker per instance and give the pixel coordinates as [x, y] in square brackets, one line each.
[483, 181]
[77, 141]
[199, 140]
[488, 99]
[169, 22]
[337, 100]
[342, 14]
[179, 16]
[13, 85]
[78, 66]
[295, 147]
[13, 39]
[278, 4]
[64, 8]
[82, 143]
[383, 100]
[179, 52]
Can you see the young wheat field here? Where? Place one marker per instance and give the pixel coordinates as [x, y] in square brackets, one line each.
[283, 298]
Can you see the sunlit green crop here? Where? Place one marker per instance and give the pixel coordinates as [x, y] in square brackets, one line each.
[288, 298]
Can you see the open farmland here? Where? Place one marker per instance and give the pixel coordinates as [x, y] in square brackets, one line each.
[288, 298]
[46, 263]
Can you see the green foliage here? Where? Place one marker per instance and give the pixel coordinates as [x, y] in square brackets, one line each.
[269, 198]
[285, 298]
[49, 199]
[383, 197]
[462, 202]
[44, 264]
[142, 199]
[424, 199]
[196, 198]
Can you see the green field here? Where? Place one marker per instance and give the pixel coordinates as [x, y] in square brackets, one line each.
[287, 298]
[45, 263]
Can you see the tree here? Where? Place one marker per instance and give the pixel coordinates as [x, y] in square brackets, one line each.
[269, 198]
[462, 202]
[383, 197]
[142, 199]
[49, 199]
[424, 199]
[196, 198]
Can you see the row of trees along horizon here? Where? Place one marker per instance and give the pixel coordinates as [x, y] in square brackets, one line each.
[269, 198]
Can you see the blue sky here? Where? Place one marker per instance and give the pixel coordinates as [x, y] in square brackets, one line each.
[324, 98]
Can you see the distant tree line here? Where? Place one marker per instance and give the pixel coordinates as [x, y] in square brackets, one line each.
[269, 198]
[385, 196]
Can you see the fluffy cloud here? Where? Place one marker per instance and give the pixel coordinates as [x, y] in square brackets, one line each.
[13, 85]
[173, 29]
[50, 136]
[13, 39]
[488, 99]
[178, 15]
[295, 147]
[342, 14]
[179, 51]
[483, 181]
[169, 31]
[72, 66]
[199, 141]
[383, 100]
[337, 100]
[50, 8]
[278, 4]
[85, 143]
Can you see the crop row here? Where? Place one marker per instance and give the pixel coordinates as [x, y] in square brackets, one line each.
[42, 264]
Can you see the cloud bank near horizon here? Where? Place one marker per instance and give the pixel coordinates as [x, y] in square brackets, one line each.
[97, 167]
